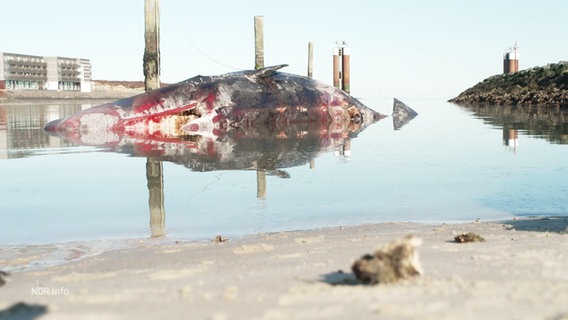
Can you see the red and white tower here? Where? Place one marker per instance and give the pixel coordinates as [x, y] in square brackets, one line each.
[511, 60]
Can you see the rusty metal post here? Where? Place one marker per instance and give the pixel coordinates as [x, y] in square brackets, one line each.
[310, 59]
[258, 42]
[345, 69]
[336, 69]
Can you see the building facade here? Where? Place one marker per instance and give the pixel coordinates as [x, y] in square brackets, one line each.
[26, 72]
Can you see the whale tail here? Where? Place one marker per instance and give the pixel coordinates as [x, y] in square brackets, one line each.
[401, 114]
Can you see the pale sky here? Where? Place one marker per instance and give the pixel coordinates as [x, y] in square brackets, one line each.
[406, 49]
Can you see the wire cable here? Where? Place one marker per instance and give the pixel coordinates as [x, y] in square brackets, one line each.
[201, 51]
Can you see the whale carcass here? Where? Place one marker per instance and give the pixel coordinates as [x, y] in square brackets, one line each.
[236, 104]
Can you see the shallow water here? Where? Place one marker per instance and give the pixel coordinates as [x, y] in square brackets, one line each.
[449, 164]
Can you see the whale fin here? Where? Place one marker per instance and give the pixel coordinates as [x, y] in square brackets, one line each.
[268, 71]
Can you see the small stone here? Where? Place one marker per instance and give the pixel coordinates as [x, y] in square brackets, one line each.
[3, 275]
[468, 237]
[220, 239]
[395, 261]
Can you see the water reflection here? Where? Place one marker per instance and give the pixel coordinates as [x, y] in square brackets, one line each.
[21, 127]
[263, 150]
[550, 123]
[22, 134]
[421, 173]
[155, 178]
[511, 139]
[268, 153]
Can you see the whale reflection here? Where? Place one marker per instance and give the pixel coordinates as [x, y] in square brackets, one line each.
[260, 150]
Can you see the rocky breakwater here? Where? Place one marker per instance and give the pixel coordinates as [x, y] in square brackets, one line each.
[537, 86]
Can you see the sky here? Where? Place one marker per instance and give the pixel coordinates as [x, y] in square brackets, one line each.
[406, 49]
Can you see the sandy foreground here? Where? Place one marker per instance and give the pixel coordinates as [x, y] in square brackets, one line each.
[519, 272]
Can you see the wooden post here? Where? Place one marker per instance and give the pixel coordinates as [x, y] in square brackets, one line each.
[258, 42]
[310, 75]
[154, 168]
[310, 59]
[259, 64]
[152, 49]
[336, 68]
[345, 69]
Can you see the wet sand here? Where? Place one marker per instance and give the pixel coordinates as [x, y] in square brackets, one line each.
[519, 272]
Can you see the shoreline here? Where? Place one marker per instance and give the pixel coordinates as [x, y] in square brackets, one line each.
[306, 275]
[8, 96]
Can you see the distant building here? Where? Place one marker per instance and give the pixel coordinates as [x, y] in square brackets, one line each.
[25, 72]
[511, 60]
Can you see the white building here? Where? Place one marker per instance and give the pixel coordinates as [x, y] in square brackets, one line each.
[25, 72]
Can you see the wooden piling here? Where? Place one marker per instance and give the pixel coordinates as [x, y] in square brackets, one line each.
[259, 64]
[310, 75]
[152, 48]
[258, 42]
[310, 59]
[154, 168]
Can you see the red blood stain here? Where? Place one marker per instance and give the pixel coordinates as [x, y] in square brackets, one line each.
[194, 127]
[211, 148]
[217, 118]
[209, 101]
[155, 118]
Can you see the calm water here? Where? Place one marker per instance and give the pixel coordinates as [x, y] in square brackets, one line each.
[449, 164]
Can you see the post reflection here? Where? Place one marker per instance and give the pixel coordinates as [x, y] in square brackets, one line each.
[155, 179]
[511, 139]
[260, 184]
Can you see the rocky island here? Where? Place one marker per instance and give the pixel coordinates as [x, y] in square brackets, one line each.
[538, 86]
